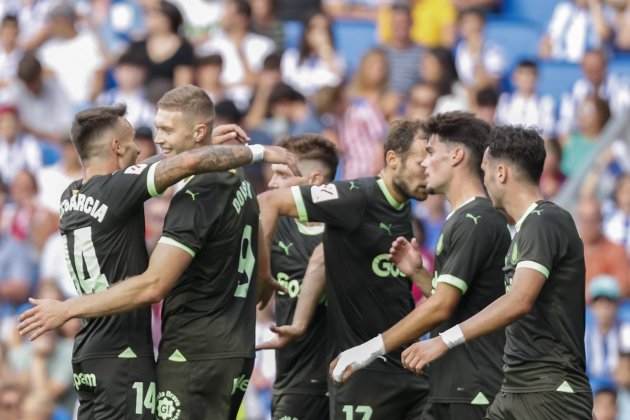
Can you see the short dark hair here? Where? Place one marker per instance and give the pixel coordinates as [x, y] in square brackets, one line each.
[461, 128]
[9, 19]
[315, 147]
[210, 60]
[243, 8]
[88, 125]
[273, 61]
[227, 111]
[473, 11]
[29, 68]
[130, 59]
[401, 136]
[282, 92]
[520, 145]
[487, 96]
[401, 7]
[172, 13]
[527, 64]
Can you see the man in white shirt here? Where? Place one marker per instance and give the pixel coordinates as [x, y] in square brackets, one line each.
[53, 180]
[617, 224]
[18, 150]
[597, 80]
[243, 52]
[74, 56]
[524, 106]
[9, 52]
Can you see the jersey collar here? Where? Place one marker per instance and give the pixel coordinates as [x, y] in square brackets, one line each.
[310, 229]
[530, 209]
[470, 200]
[388, 196]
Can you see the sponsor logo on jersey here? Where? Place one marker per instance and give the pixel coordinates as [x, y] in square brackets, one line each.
[136, 169]
[292, 286]
[86, 204]
[387, 228]
[193, 195]
[285, 247]
[383, 267]
[353, 186]
[168, 406]
[326, 192]
[473, 218]
[84, 379]
[243, 194]
[240, 384]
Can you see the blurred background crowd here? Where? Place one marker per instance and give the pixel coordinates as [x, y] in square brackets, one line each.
[345, 68]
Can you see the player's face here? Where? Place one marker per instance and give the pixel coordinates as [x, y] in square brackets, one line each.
[410, 176]
[489, 167]
[173, 132]
[282, 177]
[437, 164]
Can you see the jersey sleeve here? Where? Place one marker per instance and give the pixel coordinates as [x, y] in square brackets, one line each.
[133, 186]
[537, 246]
[466, 254]
[338, 204]
[190, 217]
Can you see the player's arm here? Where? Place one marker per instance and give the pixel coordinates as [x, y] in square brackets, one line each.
[166, 265]
[313, 286]
[216, 158]
[526, 287]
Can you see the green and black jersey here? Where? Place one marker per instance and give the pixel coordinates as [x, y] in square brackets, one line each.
[102, 226]
[302, 366]
[211, 311]
[469, 256]
[366, 293]
[544, 350]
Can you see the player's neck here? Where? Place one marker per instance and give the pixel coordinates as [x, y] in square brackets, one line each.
[388, 179]
[98, 168]
[517, 202]
[461, 190]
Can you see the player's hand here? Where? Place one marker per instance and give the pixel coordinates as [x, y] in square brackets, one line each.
[277, 154]
[406, 255]
[285, 334]
[418, 355]
[355, 358]
[45, 315]
[229, 133]
[266, 288]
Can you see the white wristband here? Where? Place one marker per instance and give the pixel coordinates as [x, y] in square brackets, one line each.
[453, 337]
[258, 152]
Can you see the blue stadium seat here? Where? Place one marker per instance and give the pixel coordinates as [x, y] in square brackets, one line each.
[620, 65]
[292, 33]
[518, 39]
[557, 77]
[535, 11]
[354, 38]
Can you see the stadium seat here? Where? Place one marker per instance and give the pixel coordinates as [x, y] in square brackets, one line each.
[353, 39]
[557, 77]
[292, 33]
[537, 12]
[518, 39]
[620, 65]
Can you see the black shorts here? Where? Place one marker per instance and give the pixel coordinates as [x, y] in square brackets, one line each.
[455, 411]
[299, 406]
[382, 394]
[202, 390]
[551, 405]
[115, 389]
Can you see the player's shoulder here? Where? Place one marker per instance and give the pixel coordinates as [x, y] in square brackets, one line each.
[479, 212]
[546, 215]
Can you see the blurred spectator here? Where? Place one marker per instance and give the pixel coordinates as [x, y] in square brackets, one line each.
[351, 9]
[605, 403]
[243, 51]
[432, 214]
[18, 150]
[602, 331]
[265, 22]
[594, 113]
[258, 396]
[144, 141]
[479, 62]
[370, 82]
[11, 396]
[622, 375]
[433, 22]
[54, 179]
[577, 26]
[601, 256]
[486, 101]
[208, 70]
[596, 81]
[422, 100]
[33, 18]
[316, 64]
[81, 81]
[165, 53]
[202, 17]
[617, 226]
[621, 23]
[130, 74]
[297, 9]
[17, 268]
[552, 177]
[117, 22]
[361, 134]
[268, 78]
[43, 107]
[437, 67]
[52, 271]
[525, 106]
[402, 53]
[484, 5]
[38, 405]
[10, 54]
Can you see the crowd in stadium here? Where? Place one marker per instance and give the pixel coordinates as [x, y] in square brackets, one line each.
[286, 67]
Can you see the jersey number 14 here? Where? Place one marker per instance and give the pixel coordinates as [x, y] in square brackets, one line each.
[82, 262]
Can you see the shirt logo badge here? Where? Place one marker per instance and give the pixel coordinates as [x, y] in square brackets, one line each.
[285, 247]
[473, 218]
[192, 195]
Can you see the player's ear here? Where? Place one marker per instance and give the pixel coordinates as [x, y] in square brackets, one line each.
[457, 155]
[200, 131]
[502, 173]
[116, 146]
[392, 159]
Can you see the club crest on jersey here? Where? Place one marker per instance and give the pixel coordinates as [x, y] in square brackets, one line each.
[326, 192]
[136, 169]
[168, 406]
